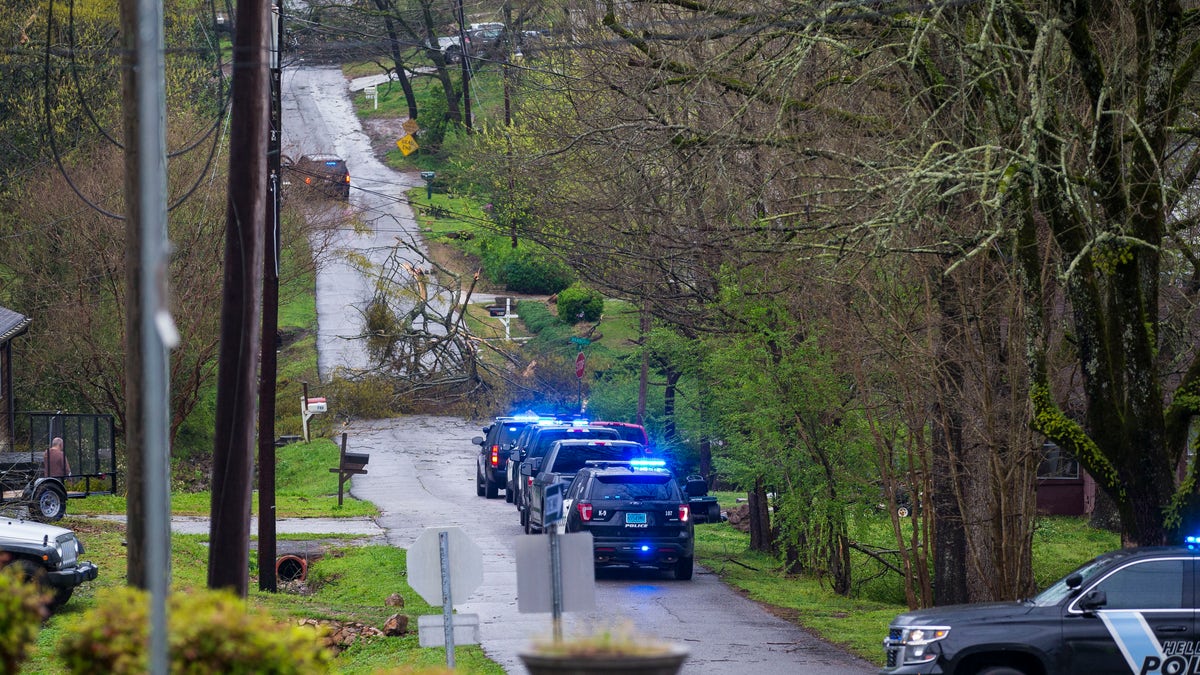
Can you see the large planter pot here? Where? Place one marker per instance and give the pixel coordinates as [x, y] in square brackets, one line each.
[667, 663]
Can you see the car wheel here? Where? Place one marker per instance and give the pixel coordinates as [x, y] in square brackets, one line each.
[508, 495]
[492, 489]
[50, 502]
[61, 596]
[683, 568]
[479, 489]
[1000, 670]
[33, 573]
[524, 518]
[902, 511]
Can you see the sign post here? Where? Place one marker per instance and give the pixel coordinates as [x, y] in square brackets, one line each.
[580, 362]
[444, 567]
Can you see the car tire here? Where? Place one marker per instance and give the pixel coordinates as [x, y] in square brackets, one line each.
[33, 573]
[491, 488]
[479, 489]
[1001, 670]
[524, 518]
[902, 511]
[508, 496]
[49, 502]
[683, 568]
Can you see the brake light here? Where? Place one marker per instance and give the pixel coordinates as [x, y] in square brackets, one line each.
[684, 511]
[308, 180]
[347, 179]
[529, 481]
[495, 455]
[585, 510]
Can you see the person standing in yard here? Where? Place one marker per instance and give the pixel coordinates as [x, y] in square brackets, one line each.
[56, 460]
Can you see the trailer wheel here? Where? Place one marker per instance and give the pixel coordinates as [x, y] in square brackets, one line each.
[50, 501]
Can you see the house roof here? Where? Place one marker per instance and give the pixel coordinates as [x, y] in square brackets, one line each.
[12, 324]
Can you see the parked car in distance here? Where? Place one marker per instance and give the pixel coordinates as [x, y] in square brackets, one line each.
[324, 174]
[533, 442]
[1127, 611]
[562, 461]
[452, 48]
[627, 431]
[46, 554]
[636, 513]
[491, 462]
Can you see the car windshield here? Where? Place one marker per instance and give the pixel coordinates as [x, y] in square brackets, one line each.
[1060, 590]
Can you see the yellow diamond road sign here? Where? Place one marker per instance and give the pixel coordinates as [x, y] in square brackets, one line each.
[407, 145]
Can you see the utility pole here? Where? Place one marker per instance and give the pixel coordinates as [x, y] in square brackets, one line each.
[149, 331]
[270, 316]
[466, 62]
[237, 359]
[508, 152]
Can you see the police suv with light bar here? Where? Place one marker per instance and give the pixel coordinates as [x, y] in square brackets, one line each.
[1128, 611]
[638, 516]
[491, 462]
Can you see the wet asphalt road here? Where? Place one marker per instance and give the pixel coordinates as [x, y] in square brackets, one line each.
[421, 470]
[422, 474]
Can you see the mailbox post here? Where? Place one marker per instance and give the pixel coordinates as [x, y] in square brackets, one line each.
[349, 464]
[310, 407]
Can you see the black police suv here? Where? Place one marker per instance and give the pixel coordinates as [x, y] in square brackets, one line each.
[533, 443]
[491, 462]
[1128, 611]
[563, 460]
[638, 516]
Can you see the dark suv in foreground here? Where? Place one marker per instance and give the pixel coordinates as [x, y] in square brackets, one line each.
[638, 516]
[1128, 611]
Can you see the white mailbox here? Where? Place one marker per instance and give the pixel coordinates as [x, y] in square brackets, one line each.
[317, 405]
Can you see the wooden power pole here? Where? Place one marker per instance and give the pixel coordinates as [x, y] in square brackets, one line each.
[237, 360]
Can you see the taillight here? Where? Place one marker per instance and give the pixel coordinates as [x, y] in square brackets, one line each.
[308, 180]
[495, 455]
[347, 179]
[529, 481]
[684, 512]
[585, 510]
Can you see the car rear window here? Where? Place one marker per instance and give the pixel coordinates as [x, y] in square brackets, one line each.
[508, 433]
[573, 458]
[547, 437]
[635, 487]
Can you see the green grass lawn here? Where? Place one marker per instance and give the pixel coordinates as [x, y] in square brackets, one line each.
[859, 623]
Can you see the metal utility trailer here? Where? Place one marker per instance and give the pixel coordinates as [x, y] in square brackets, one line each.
[88, 441]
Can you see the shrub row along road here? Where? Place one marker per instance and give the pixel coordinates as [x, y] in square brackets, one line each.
[421, 470]
[422, 474]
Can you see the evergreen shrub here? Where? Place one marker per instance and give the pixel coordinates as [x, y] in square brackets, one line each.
[22, 609]
[208, 632]
[580, 300]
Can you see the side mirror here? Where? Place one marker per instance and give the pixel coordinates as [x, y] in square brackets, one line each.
[478, 440]
[1074, 580]
[526, 469]
[1093, 600]
[537, 464]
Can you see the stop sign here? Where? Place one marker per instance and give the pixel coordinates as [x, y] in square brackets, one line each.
[579, 361]
[425, 565]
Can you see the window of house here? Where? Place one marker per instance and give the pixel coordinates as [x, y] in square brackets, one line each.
[1057, 463]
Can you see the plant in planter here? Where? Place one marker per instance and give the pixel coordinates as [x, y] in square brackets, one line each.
[617, 650]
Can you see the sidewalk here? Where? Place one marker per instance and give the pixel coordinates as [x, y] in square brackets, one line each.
[353, 526]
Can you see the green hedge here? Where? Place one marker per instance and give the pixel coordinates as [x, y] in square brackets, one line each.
[580, 303]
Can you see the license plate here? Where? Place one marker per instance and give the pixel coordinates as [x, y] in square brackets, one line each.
[635, 519]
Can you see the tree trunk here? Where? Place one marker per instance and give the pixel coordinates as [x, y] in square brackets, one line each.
[761, 537]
